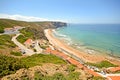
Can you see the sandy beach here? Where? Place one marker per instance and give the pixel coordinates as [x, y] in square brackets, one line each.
[62, 46]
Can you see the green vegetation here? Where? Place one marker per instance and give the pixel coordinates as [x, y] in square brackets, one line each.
[34, 27]
[98, 78]
[26, 34]
[5, 40]
[34, 50]
[43, 47]
[57, 76]
[10, 23]
[73, 76]
[102, 64]
[16, 53]
[33, 30]
[9, 65]
[38, 59]
[1, 29]
[116, 72]
[71, 68]
[21, 38]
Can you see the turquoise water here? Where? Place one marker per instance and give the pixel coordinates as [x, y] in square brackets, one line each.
[103, 38]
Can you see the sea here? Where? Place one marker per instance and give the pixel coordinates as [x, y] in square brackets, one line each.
[92, 38]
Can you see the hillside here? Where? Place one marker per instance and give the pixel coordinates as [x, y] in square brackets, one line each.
[34, 30]
[41, 67]
[7, 23]
[36, 27]
[14, 65]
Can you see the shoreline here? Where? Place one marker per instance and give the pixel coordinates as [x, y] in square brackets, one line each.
[86, 57]
[82, 47]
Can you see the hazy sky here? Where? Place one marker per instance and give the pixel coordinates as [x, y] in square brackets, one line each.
[73, 11]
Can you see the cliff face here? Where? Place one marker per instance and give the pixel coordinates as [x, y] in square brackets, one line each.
[50, 24]
[59, 24]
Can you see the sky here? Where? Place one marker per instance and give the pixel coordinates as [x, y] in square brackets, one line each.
[72, 11]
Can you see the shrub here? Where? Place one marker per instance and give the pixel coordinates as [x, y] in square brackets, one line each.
[58, 76]
[98, 78]
[21, 38]
[26, 32]
[102, 64]
[38, 59]
[16, 53]
[6, 40]
[73, 76]
[35, 50]
[71, 68]
[1, 29]
[9, 65]
[38, 76]
[43, 47]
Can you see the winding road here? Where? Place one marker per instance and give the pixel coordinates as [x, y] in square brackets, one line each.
[24, 48]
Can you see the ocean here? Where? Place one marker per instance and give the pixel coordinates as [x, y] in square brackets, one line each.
[92, 38]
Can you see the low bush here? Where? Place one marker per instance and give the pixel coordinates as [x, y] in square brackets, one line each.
[5, 40]
[34, 50]
[71, 68]
[43, 47]
[102, 64]
[1, 29]
[98, 78]
[16, 53]
[38, 59]
[73, 76]
[21, 38]
[9, 65]
[57, 76]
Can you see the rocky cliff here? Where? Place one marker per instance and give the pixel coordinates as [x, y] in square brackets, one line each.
[59, 24]
[46, 25]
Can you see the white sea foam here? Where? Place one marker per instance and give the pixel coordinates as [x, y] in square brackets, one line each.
[90, 51]
[59, 34]
[66, 38]
[69, 41]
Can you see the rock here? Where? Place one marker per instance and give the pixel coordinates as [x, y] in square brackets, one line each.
[47, 69]
[59, 24]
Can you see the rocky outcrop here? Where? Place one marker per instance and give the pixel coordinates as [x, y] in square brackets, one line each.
[59, 24]
[50, 24]
[47, 69]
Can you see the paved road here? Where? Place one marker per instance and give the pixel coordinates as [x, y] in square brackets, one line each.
[21, 46]
[37, 47]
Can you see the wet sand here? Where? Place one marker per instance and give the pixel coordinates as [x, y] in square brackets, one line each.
[61, 45]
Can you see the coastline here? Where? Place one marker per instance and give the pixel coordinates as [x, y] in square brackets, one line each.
[62, 46]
